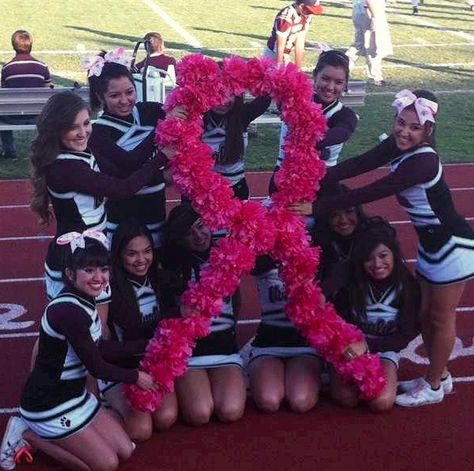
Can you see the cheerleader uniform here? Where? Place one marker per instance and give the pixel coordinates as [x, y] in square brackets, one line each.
[446, 241]
[77, 190]
[219, 348]
[132, 325]
[128, 142]
[389, 324]
[215, 131]
[341, 121]
[276, 335]
[55, 402]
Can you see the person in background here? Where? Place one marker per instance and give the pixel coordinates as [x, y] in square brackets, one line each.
[289, 31]
[23, 71]
[382, 298]
[157, 58]
[372, 37]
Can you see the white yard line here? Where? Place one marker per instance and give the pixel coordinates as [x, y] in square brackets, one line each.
[20, 280]
[437, 26]
[255, 45]
[189, 38]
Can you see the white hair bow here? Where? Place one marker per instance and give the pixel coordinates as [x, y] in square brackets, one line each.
[77, 240]
[95, 64]
[425, 109]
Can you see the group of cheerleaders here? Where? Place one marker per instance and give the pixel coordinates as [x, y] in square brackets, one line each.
[107, 294]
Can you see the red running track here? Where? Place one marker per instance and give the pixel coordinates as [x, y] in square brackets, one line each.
[435, 437]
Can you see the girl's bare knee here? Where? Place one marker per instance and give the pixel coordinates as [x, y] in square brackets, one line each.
[200, 414]
[302, 401]
[165, 420]
[106, 462]
[230, 412]
[382, 404]
[269, 401]
[139, 431]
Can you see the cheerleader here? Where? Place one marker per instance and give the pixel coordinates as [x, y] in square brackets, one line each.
[330, 79]
[65, 173]
[214, 382]
[138, 304]
[281, 363]
[446, 242]
[59, 416]
[225, 131]
[124, 135]
[382, 298]
[335, 234]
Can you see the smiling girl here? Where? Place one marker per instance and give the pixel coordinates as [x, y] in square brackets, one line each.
[382, 298]
[214, 382]
[138, 304]
[446, 242]
[59, 416]
[124, 135]
[330, 80]
[65, 173]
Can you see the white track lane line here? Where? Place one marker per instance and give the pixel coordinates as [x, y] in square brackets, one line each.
[255, 321]
[189, 38]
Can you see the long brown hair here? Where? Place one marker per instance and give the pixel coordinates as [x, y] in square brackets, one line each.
[55, 120]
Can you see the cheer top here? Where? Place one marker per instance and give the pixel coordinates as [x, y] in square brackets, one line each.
[416, 178]
[214, 135]
[290, 23]
[341, 121]
[275, 329]
[128, 142]
[69, 332]
[389, 324]
[77, 189]
[133, 324]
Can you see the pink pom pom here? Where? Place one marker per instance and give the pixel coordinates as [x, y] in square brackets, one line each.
[253, 229]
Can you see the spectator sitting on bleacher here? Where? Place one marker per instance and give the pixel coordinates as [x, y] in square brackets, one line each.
[23, 71]
[157, 58]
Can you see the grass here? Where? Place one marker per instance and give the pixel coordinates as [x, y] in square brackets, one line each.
[429, 52]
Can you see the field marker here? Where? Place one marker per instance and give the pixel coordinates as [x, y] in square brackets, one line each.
[255, 46]
[424, 22]
[190, 39]
[21, 280]
[239, 322]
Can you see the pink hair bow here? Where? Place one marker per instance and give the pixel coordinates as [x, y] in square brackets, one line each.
[425, 109]
[95, 64]
[78, 240]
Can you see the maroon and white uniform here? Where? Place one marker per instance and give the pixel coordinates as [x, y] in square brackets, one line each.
[446, 241]
[290, 23]
[55, 402]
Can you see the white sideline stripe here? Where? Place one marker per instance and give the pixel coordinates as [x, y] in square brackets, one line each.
[255, 46]
[21, 280]
[23, 206]
[172, 23]
[48, 237]
[425, 22]
[9, 239]
[11, 410]
[241, 322]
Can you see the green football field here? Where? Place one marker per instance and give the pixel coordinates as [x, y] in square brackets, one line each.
[434, 50]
